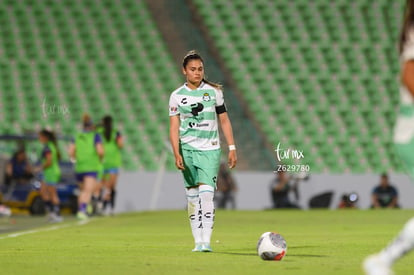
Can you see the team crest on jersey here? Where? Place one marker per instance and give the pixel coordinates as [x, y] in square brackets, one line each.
[206, 97]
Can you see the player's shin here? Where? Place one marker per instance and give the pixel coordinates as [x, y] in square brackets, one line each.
[207, 208]
[194, 214]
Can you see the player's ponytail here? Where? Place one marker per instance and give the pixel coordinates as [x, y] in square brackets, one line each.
[107, 125]
[51, 137]
[193, 55]
[408, 23]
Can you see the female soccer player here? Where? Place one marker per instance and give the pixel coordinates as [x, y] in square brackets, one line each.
[112, 143]
[382, 262]
[51, 174]
[88, 151]
[195, 109]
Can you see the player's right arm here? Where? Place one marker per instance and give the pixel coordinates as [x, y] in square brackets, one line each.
[374, 200]
[407, 76]
[175, 139]
[175, 131]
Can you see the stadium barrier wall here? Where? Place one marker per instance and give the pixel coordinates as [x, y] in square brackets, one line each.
[137, 191]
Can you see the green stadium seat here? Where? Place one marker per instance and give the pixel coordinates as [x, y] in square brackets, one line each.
[313, 65]
[79, 61]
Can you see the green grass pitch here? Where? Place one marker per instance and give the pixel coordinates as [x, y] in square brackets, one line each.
[319, 242]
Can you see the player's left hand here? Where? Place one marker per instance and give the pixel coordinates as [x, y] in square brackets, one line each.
[232, 160]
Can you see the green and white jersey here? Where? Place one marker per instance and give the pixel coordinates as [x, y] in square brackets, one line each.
[197, 110]
[404, 127]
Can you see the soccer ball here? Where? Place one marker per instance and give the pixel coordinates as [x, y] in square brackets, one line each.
[271, 247]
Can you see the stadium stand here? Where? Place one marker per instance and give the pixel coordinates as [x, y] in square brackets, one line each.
[59, 59]
[179, 16]
[319, 76]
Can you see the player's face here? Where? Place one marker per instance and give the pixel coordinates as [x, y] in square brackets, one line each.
[194, 71]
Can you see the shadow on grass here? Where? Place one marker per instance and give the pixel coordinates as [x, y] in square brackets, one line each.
[289, 254]
[290, 248]
[301, 247]
[238, 253]
[307, 255]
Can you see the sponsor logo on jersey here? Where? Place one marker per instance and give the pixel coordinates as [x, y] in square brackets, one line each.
[214, 143]
[173, 109]
[206, 97]
[202, 125]
[196, 108]
[193, 124]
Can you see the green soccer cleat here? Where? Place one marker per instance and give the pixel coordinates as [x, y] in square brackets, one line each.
[206, 248]
[82, 216]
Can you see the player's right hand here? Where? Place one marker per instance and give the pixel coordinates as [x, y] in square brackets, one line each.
[179, 163]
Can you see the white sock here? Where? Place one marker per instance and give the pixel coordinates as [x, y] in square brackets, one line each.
[400, 246]
[194, 214]
[206, 194]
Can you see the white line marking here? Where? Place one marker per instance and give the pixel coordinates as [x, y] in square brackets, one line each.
[51, 228]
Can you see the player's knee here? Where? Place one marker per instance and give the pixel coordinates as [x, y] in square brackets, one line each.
[206, 192]
[192, 195]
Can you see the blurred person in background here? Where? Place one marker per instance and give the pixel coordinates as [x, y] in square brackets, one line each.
[384, 195]
[96, 207]
[50, 157]
[280, 188]
[226, 188]
[382, 262]
[112, 143]
[18, 168]
[87, 150]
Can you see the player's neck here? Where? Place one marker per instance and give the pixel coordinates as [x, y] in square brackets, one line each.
[193, 86]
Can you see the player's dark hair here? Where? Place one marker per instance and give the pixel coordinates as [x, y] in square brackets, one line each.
[107, 125]
[408, 22]
[193, 55]
[87, 121]
[50, 135]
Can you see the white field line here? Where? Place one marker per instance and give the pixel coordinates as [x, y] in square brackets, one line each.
[51, 228]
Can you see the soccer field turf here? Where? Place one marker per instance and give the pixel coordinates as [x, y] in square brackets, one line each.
[319, 242]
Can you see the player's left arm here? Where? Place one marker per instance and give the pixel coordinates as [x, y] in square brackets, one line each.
[119, 140]
[47, 154]
[48, 161]
[228, 134]
[99, 146]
